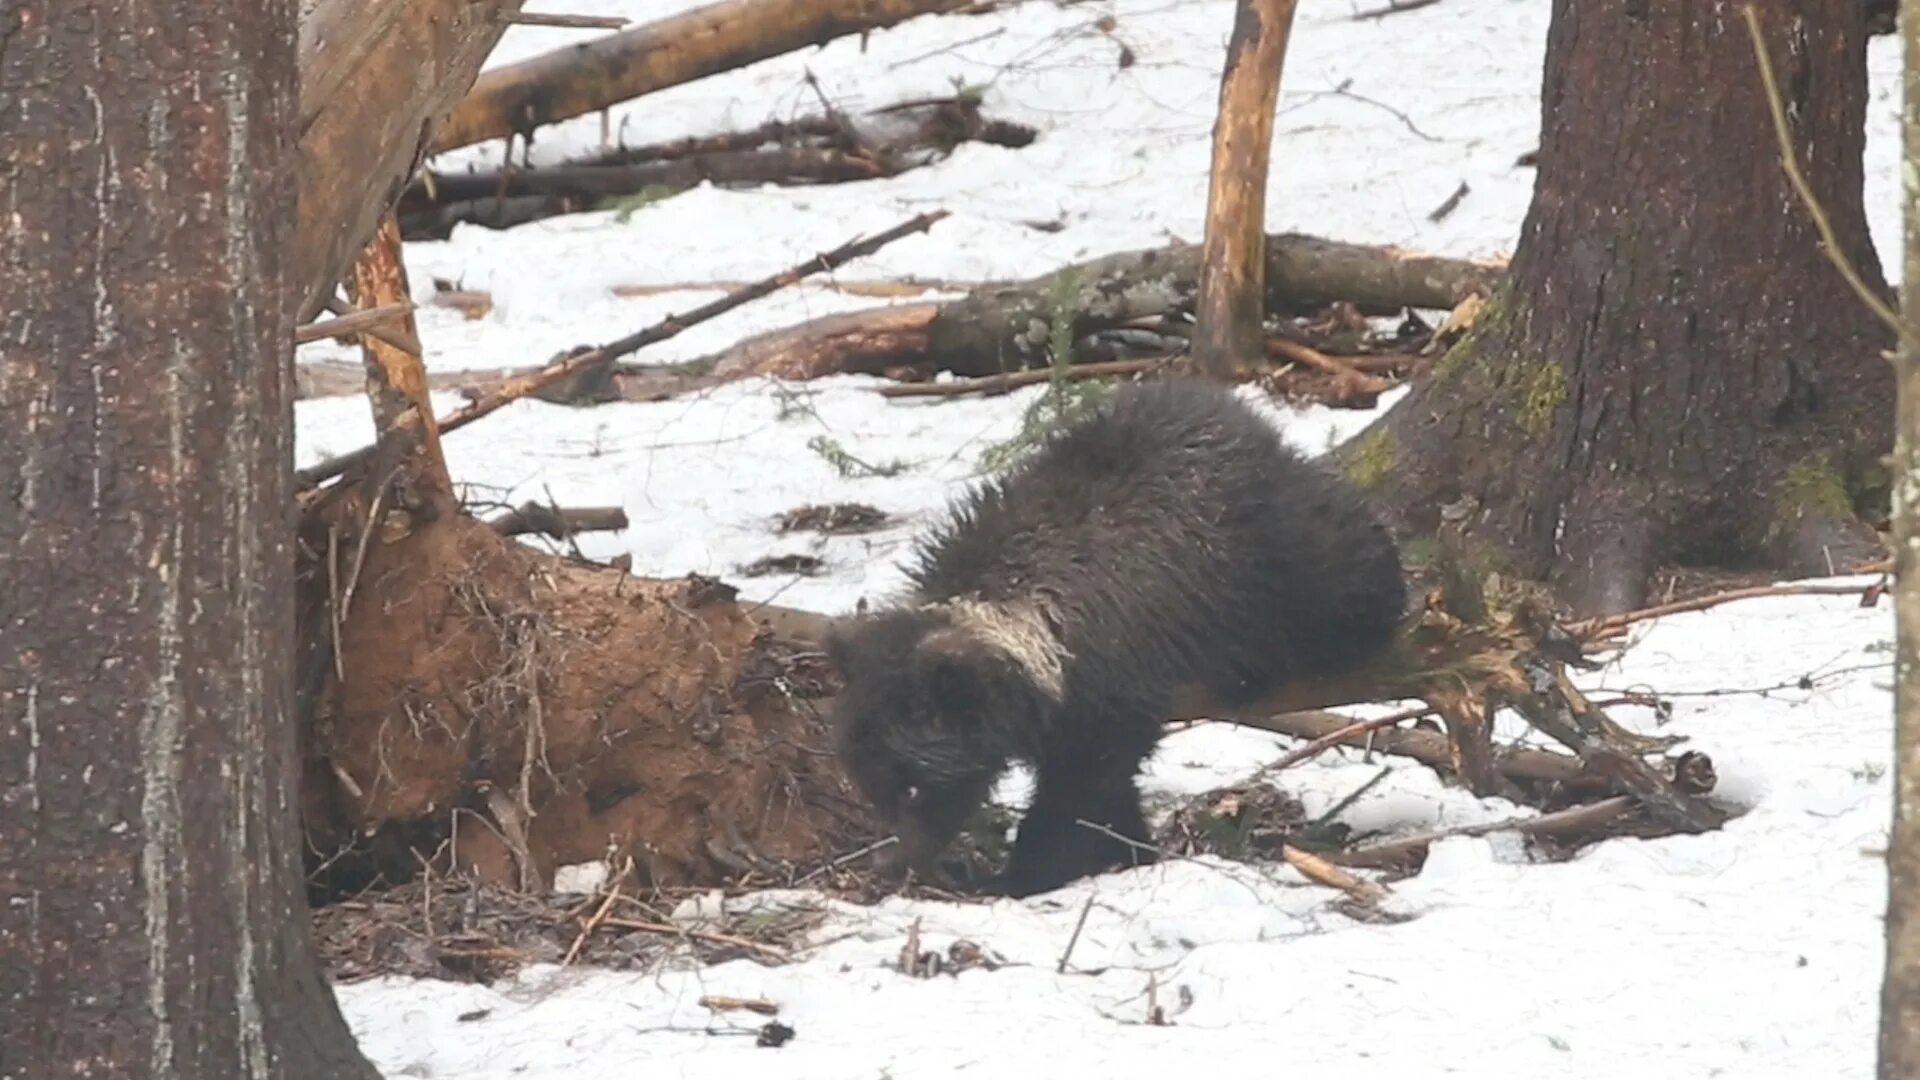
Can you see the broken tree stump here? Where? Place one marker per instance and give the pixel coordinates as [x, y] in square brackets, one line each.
[1227, 338]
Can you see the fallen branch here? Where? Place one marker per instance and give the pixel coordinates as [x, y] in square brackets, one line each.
[585, 78]
[1013, 380]
[515, 389]
[1004, 325]
[559, 522]
[1612, 625]
[1321, 871]
[1331, 739]
[696, 935]
[1341, 369]
[813, 150]
[1407, 849]
[1427, 747]
[570, 22]
[364, 321]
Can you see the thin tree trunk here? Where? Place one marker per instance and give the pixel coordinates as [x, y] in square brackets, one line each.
[151, 923]
[1674, 374]
[1227, 333]
[1900, 994]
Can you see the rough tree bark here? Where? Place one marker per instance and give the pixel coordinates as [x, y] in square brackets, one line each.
[1227, 335]
[376, 78]
[1673, 373]
[150, 918]
[1900, 992]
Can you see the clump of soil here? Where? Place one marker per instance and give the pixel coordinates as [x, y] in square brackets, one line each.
[800, 564]
[834, 519]
[508, 712]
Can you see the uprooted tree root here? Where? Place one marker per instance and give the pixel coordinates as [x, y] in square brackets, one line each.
[517, 712]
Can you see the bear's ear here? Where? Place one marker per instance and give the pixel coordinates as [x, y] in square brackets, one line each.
[963, 673]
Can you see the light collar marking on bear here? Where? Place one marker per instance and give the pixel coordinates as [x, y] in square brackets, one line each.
[1020, 629]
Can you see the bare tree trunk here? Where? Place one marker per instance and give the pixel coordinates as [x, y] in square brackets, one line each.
[1900, 994]
[151, 923]
[1674, 373]
[1227, 332]
[376, 79]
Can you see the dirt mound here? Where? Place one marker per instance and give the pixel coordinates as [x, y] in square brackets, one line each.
[502, 711]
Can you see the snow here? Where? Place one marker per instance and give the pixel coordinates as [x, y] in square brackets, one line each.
[1752, 952]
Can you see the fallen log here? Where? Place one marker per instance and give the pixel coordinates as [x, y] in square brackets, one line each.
[812, 150]
[584, 78]
[1406, 850]
[1005, 326]
[558, 522]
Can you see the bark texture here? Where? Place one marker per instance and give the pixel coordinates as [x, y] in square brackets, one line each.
[376, 79]
[150, 918]
[1673, 373]
[1227, 333]
[1900, 991]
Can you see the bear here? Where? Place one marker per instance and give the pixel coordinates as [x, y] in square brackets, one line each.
[1167, 539]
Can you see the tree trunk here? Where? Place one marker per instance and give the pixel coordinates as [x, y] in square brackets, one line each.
[1673, 373]
[1228, 338]
[376, 78]
[152, 924]
[1900, 992]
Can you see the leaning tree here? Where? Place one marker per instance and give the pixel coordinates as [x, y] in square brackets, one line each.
[1673, 373]
[151, 921]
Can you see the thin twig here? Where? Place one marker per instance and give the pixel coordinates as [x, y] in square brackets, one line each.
[1394, 8]
[1829, 242]
[1013, 380]
[376, 321]
[1573, 819]
[1079, 925]
[697, 935]
[572, 22]
[594, 922]
[1610, 625]
[1334, 738]
[514, 389]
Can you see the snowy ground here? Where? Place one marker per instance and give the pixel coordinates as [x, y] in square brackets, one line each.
[1753, 952]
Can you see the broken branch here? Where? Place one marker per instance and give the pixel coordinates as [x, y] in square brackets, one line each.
[515, 389]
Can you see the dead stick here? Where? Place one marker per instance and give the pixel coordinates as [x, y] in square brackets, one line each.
[572, 22]
[594, 922]
[722, 1003]
[697, 935]
[1389, 853]
[1346, 734]
[1013, 380]
[559, 522]
[1314, 358]
[514, 389]
[1319, 870]
[376, 321]
[1078, 925]
[1427, 747]
[1613, 623]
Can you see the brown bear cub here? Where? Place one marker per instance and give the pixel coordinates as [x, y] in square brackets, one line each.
[1170, 538]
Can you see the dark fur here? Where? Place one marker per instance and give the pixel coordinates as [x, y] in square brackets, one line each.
[1170, 539]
